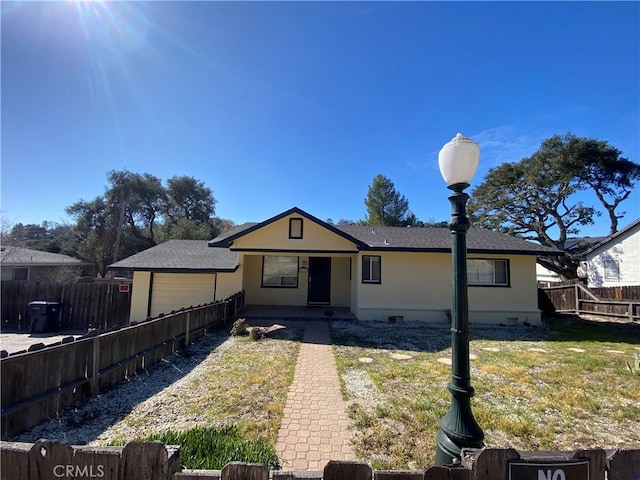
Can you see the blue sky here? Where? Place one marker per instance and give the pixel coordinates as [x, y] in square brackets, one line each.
[274, 105]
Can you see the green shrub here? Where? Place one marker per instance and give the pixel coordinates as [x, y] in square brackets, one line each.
[212, 448]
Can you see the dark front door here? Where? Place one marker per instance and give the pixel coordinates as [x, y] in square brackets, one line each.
[319, 280]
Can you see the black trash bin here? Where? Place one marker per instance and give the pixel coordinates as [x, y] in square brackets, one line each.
[44, 316]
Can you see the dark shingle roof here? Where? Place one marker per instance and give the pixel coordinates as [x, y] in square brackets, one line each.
[181, 256]
[18, 256]
[433, 239]
[215, 256]
[427, 239]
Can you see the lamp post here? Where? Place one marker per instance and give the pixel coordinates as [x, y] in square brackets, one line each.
[458, 161]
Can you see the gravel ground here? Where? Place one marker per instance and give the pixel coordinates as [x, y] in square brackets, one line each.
[97, 421]
[16, 342]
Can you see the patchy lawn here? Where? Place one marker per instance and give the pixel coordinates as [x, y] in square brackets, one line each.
[218, 381]
[557, 388]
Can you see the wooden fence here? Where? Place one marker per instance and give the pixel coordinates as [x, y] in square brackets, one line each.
[98, 304]
[46, 460]
[45, 380]
[579, 300]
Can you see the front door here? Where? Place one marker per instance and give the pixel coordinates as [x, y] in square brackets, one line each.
[319, 281]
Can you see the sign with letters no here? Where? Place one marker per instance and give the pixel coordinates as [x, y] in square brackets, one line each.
[553, 470]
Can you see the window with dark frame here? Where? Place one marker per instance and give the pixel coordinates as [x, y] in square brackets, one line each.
[279, 271]
[487, 272]
[295, 228]
[371, 270]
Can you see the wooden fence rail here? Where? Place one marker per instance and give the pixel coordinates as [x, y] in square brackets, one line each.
[579, 300]
[45, 380]
[98, 304]
[47, 460]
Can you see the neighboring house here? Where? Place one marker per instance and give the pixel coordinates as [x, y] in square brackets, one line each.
[17, 263]
[574, 247]
[615, 261]
[296, 259]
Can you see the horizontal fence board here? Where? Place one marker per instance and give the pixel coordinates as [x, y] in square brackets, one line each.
[39, 384]
[588, 301]
[98, 304]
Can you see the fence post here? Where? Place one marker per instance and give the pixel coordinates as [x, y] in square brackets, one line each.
[95, 366]
[631, 311]
[624, 465]
[187, 328]
[244, 471]
[341, 470]
[577, 293]
[144, 461]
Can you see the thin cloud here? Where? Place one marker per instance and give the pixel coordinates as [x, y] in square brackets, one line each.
[506, 144]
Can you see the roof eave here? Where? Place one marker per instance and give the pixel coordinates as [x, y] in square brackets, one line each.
[173, 270]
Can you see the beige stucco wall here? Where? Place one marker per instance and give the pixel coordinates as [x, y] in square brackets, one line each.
[139, 296]
[255, 294]
[340, 281]
[275, 236]
[228, 284]
[418, 286]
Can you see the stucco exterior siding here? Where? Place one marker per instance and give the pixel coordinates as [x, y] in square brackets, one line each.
[228, 284]
[256, 294]
[523, 289]
[340, 281]
[275, 236]
[172, 291]
[418, 286]
[411, 281]
[140, 296]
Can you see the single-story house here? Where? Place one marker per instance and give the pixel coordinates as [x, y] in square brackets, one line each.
[17, 263]
[615, 261]
[295, 258]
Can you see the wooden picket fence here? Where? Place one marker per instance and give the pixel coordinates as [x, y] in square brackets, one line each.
[43, 381]
[97, 304]
[621, 303]
[47, 460]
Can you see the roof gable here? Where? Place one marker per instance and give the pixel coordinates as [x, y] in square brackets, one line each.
[632, 228]
[274, 235]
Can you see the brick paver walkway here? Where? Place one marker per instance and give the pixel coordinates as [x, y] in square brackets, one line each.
[314, 427]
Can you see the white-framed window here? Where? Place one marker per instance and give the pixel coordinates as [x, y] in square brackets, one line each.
[279, 271]
[371, 269]
[295, 228]
[488, 272]
[612, 270]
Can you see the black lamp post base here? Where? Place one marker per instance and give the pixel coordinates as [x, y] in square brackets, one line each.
[448, 451]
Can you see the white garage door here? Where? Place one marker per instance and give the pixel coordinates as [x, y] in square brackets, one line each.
[173, 291]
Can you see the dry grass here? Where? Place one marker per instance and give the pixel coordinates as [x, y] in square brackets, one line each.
[242, 383]
[532, 391]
